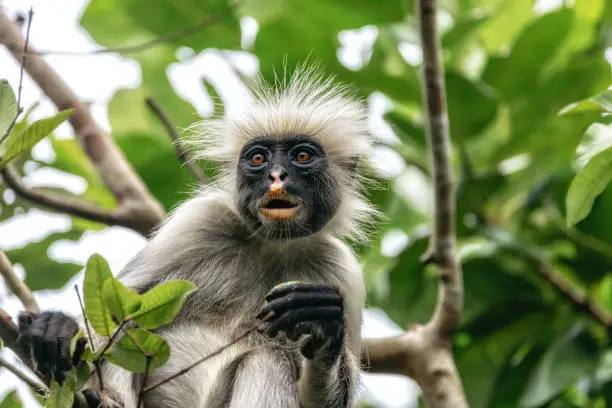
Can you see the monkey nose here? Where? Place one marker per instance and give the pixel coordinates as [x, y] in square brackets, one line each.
[278, 181]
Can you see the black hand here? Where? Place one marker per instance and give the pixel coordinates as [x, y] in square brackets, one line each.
[306, 309]
[87, 399]
[47, 336]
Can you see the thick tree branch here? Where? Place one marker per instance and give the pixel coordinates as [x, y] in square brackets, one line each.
[424, 351]
[16, 285]
[68, 205]
[442, 245]
[181, 152]
[131, 194]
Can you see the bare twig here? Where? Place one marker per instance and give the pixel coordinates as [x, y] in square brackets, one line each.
[38, 387]
[579, 300]
[135, 201]
[113, 337]
[136, 48]
[68, 205]
[16, 285]
[181, 152]
[19, 107]
[200, 361]
[144, 381]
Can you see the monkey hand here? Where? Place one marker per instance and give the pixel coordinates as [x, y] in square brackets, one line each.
[46, 337]
[311, 309]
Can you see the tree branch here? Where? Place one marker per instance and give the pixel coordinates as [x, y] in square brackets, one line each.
[181, 152]
[133, 197]
[69, 205]
[16, 285]
[37, 386]
[424, 352]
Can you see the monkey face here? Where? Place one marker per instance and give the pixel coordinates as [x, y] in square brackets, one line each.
[286, 188]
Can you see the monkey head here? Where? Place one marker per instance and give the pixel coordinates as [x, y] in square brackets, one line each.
[286, 186]
[289, 157]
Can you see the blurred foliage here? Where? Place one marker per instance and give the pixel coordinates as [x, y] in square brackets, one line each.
[528, 109]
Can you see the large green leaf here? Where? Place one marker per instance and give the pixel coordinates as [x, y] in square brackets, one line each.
[96, 274]
[587, 185]
[19, 143]
[572, 355]
[120, 301]
[162, 303]
[533, 48]
[128, 352]
[62, 396]
[8, 106]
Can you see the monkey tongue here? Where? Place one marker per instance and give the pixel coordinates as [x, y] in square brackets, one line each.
[278, 214]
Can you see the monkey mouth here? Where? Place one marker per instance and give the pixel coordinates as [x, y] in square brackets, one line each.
[278, 206]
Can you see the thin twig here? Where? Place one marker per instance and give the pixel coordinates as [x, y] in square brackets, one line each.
[200, 361]
[132, 49]
[21, 69]
[144, 380]
[91, 343]
[66, 204]
[113, 337]
[16, 285]
[40, 388]
[76, 289]
[181, 152]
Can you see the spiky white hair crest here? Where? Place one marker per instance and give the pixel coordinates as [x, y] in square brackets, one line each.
[309, 104]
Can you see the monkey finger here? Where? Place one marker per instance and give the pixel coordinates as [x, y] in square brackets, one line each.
[290, 318]
[299, 300]
[93, 398]
[286, 288]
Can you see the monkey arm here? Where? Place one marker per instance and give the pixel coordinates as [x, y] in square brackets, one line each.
[328, 382]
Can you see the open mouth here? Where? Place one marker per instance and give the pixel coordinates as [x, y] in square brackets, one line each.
[278, 207]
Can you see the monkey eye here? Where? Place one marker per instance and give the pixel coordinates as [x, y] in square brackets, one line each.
[302, 156]
[257, 159]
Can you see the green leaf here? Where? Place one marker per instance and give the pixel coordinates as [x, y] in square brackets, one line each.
[62, 396]
[518, 73]
[129, 355]
[17, 144]
[605, 292]
[570, 357]
[43, 272]
[8, 106]
[11, 400]
[83, 372]
[604, 99]
[162, 303]
[120, 301]
[467, 120]
[589, 183]
[96, 273]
